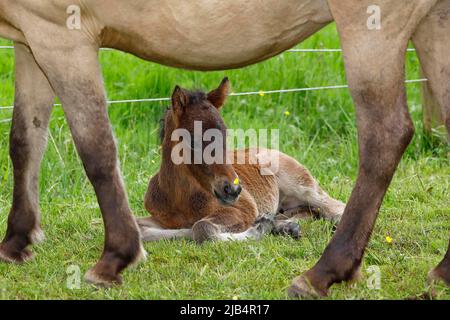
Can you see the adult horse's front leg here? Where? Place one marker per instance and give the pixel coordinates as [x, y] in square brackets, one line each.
[74, 73]
[33, 104]
[375, 72]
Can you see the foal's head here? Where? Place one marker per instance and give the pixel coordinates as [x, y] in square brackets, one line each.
[194, 118]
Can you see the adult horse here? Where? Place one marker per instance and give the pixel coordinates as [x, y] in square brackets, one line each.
[56, 55]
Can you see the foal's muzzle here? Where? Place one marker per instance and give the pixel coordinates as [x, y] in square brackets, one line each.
[228, 193]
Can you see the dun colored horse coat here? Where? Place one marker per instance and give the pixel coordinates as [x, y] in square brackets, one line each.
[56, 51]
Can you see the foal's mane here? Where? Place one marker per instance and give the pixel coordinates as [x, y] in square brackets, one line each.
[195, 98]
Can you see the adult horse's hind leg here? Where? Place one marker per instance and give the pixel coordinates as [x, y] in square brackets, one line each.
[374, 62]
[432, 41]
[74, 72]
[32, 107]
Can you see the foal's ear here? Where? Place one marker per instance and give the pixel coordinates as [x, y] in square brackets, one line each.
[179, 101]
[218, 96]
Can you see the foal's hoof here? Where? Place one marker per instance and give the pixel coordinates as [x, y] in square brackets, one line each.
[265, 224]
[102, 280]
[291, 229]
[15, 257]
[336, 219]
[302, 288]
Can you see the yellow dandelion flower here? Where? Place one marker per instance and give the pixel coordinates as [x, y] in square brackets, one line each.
[287, 113]
[261, 93]
[388, 239]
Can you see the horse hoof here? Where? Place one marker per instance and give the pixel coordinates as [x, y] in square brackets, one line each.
[265, 224]
[101, 280]
[16, 257]
[294, 230]
[302, 288]
[336, 219]
[291, 229]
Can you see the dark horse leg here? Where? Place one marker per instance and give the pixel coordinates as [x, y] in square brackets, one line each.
[73, 70]
[442, 271]
[374, 62]
[432, 41]
[33, 104]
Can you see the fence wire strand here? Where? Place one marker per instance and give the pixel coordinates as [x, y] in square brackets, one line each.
[290, 50]
[236, 94]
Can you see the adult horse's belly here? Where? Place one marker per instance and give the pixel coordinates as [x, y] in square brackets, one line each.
[209, 34]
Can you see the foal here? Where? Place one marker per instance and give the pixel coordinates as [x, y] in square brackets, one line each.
[223, 201]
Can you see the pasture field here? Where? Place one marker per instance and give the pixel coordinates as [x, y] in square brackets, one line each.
[318, 129]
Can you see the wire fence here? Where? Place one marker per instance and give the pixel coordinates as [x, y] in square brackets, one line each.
[290, 50]
[250, 93]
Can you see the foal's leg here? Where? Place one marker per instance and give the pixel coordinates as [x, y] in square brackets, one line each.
[205, 229]
[375, 72]
[74, 73]
[33, 104]
[230, 223]
[314, 199]
[152, 231]
[432, 41]
[156, 234]
[215, 228]
[287, 226]
[299, 189]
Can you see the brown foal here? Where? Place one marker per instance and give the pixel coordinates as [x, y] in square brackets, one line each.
[223, 200]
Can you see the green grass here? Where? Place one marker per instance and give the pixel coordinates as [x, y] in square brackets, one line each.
[320, 132]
